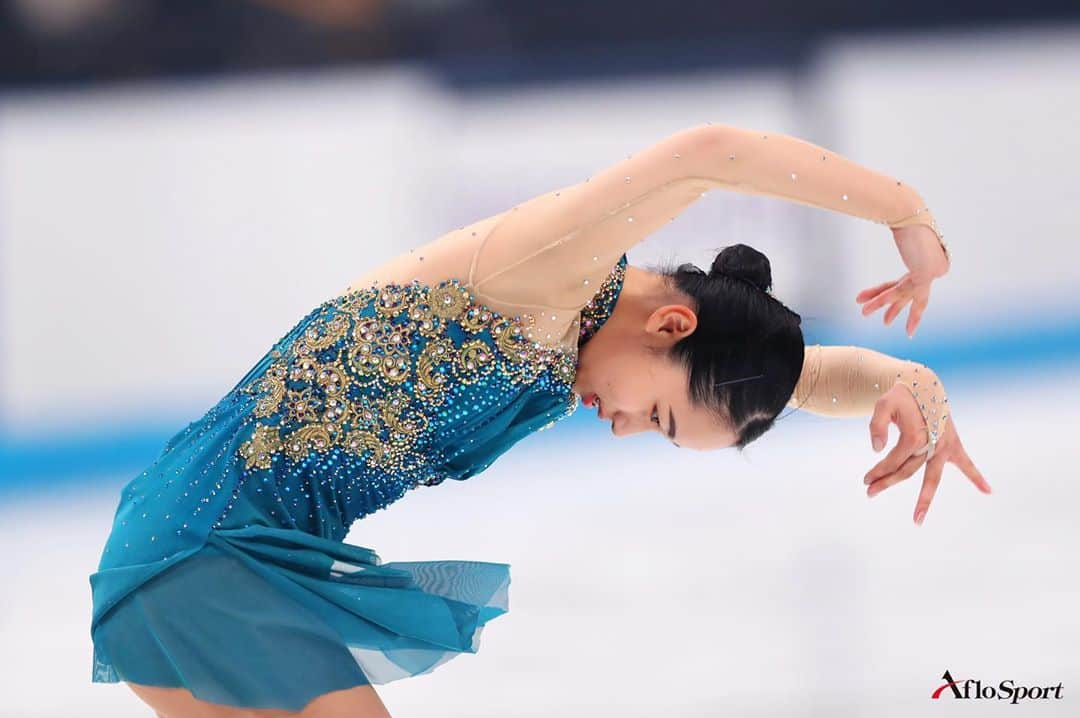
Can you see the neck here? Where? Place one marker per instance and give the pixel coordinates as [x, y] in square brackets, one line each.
[642, 292]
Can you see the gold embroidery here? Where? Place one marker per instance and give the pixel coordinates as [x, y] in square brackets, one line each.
[449, 299]
[259, 449]
[422, 316]
[366, 413]
[476, 319]
[336, 412]
[528, 359]
[403, 420]
[298, 443]
[302, 404]
[369, 373]
[357, 442]
[433, 382]
[331, 378]
[362, 356]
[370, 330]
[395, 365]
[272, 387]
[355, 302]
[321, 334]
[474, 360]
[508, 337]
[392, 301]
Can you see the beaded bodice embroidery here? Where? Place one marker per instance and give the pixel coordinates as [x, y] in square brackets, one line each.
[393, 387]
[600, 307]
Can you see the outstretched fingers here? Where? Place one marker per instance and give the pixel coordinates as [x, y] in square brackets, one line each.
[873, 291]
[968, 467]
[918, 306]
[931, 479]
[894, 310]
[889, 295]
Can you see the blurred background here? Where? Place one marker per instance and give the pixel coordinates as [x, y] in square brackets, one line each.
[181, 181]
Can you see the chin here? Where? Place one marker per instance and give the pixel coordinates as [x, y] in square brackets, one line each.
[581, 382]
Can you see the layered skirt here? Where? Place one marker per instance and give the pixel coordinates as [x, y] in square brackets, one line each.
[265, 617]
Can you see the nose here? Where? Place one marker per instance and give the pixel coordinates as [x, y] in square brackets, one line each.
[624, 424]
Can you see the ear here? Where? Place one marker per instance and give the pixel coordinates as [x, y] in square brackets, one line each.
[672, 322]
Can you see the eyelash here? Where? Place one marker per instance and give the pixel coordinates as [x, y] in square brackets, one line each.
[655, 416]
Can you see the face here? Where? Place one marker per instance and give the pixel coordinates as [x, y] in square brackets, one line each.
[626, 377]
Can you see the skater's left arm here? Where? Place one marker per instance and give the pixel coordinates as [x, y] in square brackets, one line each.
[849, 380]
[844, 381]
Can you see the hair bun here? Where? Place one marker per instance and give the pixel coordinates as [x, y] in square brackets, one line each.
[741, 261]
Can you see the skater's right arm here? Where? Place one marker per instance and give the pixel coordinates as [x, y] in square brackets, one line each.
[547, 255]
[553, 249]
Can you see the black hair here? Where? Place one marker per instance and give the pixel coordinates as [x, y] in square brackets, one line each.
[746, 354]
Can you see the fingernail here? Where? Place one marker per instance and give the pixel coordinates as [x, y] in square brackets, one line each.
[877, 442]
[920, 516]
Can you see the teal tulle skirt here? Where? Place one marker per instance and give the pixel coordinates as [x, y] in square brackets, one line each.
[265, 617]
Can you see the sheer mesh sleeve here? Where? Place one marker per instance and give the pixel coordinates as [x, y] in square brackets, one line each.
[848, 380]
[552, 250]
[547, 256]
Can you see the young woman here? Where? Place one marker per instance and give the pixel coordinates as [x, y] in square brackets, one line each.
[226, 588]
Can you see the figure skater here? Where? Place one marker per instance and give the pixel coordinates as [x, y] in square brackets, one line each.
[226, 588]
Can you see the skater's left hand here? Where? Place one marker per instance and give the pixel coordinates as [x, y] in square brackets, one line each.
[926, 261]
[899, 406]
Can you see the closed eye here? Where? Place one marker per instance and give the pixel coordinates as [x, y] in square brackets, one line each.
[655, 418]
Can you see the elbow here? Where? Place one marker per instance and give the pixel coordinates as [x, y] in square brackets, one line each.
[703, 138]
[702, 145]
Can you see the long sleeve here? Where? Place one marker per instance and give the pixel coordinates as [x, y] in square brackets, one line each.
[848, 380]
[546, 257]
[551, 251]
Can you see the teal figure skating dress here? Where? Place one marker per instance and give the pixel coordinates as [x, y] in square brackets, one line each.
[226, 571]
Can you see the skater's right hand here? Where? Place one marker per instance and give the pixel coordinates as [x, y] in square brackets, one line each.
[899, 406]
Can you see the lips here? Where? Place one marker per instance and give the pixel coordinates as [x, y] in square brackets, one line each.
[590, 400]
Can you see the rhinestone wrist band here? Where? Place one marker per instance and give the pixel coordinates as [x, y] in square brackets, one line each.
[930, 396]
